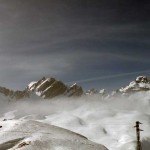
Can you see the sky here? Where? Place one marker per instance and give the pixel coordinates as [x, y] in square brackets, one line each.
[96, 43]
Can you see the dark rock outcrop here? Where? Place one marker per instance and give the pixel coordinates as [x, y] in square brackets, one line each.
[14, 94]
[74, 90]
[46, 88]
[50, 87]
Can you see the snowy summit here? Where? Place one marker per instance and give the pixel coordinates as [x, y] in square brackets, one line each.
[142, 83]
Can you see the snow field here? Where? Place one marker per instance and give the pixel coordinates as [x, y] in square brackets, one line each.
[107, 121]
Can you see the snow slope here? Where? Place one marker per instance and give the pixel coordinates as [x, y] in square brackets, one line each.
[107, 121]
[33, 135]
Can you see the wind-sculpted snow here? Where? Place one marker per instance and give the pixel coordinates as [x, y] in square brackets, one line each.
[107, 121]
[33, 135]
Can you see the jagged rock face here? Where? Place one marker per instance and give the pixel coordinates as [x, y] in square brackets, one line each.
[5, 91]
[50, 87]
[53, 89]
[142, 83]
[74, 90]
[45, 88]
[14, 94]
[21, 94]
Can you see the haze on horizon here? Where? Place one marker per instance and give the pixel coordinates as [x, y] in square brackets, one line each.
[74, 40]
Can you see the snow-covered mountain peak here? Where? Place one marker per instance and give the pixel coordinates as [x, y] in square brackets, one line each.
[141, 83]
[142, 79]
[50, 87]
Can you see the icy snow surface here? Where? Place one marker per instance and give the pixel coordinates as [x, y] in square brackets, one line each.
[107, 121]
[33, 135]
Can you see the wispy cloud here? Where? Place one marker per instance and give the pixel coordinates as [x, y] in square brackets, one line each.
[110, 76]
[71, 40]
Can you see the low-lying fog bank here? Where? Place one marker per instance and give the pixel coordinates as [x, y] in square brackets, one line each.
[108, 121]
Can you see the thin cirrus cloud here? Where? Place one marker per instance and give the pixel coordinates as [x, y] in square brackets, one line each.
[110, 76]
[72, 40]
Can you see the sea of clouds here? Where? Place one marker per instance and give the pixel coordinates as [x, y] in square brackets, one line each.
[109, 121]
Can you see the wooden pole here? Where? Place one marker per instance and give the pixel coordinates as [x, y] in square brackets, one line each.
[139, 146]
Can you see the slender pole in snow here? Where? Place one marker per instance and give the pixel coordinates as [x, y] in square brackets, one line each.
[139, 146]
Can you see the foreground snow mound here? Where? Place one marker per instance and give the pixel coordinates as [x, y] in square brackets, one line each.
[34, 135]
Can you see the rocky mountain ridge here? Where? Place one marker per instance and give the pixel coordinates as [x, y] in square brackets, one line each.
[14, 94]
[141, 83]
[48, 88]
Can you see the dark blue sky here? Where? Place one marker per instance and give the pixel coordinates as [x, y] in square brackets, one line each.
[97, 43]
